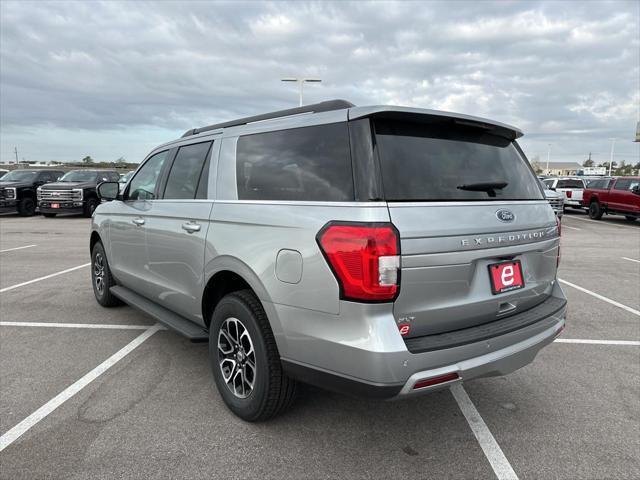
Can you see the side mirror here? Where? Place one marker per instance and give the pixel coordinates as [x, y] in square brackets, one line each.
[108, 190]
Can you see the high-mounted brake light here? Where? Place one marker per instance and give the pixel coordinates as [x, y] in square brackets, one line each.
[364, 257]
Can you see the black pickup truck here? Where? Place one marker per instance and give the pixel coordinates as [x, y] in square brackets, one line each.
[75, 192]
[18, 189]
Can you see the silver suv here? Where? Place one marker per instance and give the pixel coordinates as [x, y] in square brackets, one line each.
[380, 251]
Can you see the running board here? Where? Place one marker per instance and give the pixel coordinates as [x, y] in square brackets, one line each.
[175, 322]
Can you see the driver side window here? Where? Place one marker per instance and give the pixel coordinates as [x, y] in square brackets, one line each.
[143, 185]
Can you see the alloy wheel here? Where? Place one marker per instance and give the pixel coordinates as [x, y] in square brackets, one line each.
[236, 357]
[98, 273]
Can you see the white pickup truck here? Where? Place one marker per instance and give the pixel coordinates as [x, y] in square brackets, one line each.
[570, 188]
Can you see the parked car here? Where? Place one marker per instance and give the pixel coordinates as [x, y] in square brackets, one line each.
[124, 178]
[386, 272]
[75, 192]
[555, 199]
[18, 189]
[613, 196]
[570, 187]
[3, 172]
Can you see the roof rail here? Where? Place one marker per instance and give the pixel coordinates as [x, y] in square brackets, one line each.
[327, 106]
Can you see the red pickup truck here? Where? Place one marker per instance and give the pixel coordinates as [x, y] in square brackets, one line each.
[613, 196]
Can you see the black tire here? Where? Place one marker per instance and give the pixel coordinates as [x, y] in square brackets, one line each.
[272, 391]
[101, 287]
[50, 215]
[89, 206]
[630, 218]
[595, 210]
[27, 207]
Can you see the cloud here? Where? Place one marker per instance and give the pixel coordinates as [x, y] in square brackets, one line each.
[567, 73]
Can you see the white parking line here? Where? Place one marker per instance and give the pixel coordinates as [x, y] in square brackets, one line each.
[571, 228]
[631, 259]
[41, 413]
[600, 297]
[16, 248]
[600, 222]
[74, 325]
[501, 466]
[6, 289]
[597, 342]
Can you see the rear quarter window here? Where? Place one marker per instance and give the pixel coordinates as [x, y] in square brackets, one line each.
[301, 164]
[447, 162]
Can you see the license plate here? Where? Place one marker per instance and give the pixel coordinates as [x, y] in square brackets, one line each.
[55, 205]
[505, 276]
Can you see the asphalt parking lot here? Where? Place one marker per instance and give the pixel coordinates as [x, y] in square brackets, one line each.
[88, 392]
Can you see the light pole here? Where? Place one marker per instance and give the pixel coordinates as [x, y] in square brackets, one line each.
[301, 82]
[613, 144]
[548, 156]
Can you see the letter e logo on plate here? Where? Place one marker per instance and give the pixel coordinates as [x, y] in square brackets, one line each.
[404, 329]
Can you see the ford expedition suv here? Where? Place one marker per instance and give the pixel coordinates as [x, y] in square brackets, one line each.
[18, 189]
[613, 196]
[380, 251]
[75, 192]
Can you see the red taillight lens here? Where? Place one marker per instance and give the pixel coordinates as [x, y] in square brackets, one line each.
[568, 193]
[364, 258]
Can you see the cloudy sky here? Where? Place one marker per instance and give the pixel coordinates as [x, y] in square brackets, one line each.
[115, 79]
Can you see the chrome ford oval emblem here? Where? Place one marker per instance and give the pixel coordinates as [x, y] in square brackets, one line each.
[505, 215]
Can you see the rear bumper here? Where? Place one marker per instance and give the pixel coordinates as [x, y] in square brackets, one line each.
[568, 202]
[393, 373]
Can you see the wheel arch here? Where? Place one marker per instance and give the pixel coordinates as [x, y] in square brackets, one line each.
[225, 275]
[95, 238]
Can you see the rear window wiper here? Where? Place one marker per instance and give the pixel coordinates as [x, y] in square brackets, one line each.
[489, 187]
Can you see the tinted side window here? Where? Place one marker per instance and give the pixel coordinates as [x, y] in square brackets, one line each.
[113, 176]
[309, 163]
[185, 171]
[549, 183]
[622, 184]
[143, 185]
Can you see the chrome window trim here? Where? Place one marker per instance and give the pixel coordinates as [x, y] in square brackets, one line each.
[454, 203]
[304, 203]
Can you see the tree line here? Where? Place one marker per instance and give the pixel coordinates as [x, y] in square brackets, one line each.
[90, 162]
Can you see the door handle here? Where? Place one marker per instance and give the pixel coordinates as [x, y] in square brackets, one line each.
[191, 227]
[138, 221]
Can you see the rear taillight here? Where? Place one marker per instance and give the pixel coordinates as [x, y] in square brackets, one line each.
[364, 257]
[568, 193]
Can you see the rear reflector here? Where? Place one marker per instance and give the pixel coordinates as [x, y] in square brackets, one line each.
[427, 382]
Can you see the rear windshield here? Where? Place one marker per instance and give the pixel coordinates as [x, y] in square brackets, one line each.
[570, 184]
[604, 183]
[446, 162]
